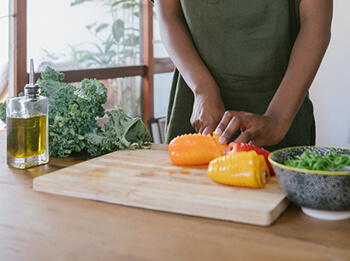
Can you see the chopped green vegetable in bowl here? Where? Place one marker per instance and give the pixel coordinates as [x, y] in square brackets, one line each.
[314, 161]
[72, 118]
[303, 175]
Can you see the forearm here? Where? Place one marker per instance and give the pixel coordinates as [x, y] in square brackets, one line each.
[306, 57]
[181, 49]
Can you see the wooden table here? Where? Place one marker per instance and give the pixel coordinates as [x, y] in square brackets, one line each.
[40, 226]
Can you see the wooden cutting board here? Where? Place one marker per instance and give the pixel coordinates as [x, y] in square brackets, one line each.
[148, 179]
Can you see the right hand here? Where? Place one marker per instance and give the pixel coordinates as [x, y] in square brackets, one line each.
[208, 110]
[258, 130]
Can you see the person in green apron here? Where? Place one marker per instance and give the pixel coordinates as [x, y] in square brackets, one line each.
[244, 67]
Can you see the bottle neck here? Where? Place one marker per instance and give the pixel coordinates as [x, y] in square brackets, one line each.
[31, 92]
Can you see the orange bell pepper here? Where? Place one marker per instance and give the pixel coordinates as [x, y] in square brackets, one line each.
[195, 149]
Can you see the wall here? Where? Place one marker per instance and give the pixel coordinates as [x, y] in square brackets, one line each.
[330, 91]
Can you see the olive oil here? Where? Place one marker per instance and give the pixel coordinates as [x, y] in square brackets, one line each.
[27, 127]
[26, 136]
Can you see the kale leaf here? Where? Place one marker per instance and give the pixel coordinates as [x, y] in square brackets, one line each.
[50, 82]
[72, 118]
[3, 111]
[120, 132]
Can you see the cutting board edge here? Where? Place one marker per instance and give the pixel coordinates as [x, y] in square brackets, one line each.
[153, 191]
[143, 194]
[266, 218]
[279, 209]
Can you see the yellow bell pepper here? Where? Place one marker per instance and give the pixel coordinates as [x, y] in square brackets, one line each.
[246, 168]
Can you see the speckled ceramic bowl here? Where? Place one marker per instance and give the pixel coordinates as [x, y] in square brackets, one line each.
[322, 194]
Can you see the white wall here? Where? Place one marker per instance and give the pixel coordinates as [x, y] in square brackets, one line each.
[330, 91]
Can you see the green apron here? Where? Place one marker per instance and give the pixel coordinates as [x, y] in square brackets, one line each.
[246, 45]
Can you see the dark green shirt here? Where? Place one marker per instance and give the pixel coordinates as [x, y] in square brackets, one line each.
[246, 45]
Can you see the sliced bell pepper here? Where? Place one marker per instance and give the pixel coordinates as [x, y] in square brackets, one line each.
[246, 169]
[195, 149]
[234, 147]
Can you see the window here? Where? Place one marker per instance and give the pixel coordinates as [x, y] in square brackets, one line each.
[5, 16]
[80, 34]
[162, 82]
[110, 40]
[124, 93]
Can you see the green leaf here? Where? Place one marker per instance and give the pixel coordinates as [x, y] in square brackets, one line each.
[120, 2]
[118, 29]
[131, 40]
[72, 118]
[129, 5]
[120, 132]
[77, 2]
[89, 26]
[101, 27]
[3, 111]
[127, 53]
[109, 43]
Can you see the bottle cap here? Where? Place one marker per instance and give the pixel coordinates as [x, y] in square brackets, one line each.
[31, 89]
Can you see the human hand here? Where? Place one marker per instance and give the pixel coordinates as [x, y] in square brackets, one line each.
[208, 110]
[259, 130]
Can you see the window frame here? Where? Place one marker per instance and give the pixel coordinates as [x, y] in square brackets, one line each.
[146, 69]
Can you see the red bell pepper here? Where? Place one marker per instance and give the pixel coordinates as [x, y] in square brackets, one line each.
[234, 147]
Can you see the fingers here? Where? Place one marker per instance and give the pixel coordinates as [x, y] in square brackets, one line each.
[199, 126]
[228, 126]
[253, 128]
[205, 125]
[245, 137]
[209, 129]
[256, 129]
[228, 115]
[207, 112]
[204, 128]
[196, 123]
[196, 126]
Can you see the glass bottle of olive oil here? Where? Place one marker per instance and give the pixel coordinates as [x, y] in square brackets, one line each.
[27, 127]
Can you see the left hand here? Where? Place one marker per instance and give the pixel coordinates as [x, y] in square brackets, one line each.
[259, 130]
[207, 112]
